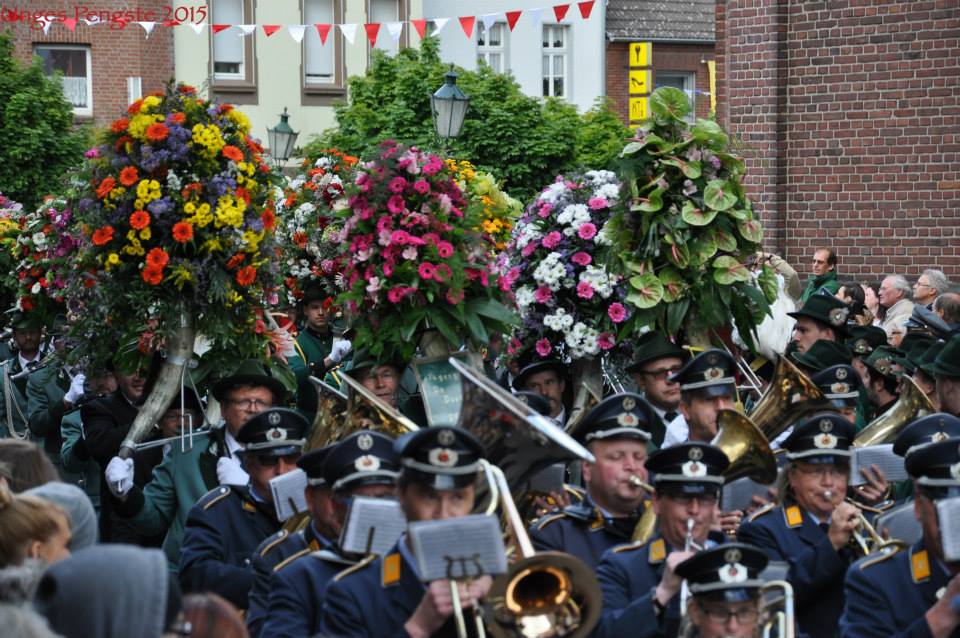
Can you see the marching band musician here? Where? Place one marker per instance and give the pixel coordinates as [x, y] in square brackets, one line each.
[821, 317]
[840, 385]
[548, 378]
[707, 385]
[812, 526]
[641, 588]
[656, 360]
[615, 432]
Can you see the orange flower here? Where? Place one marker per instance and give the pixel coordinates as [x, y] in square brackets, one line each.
[134, 108]
[269, 219]
[157, 258]
[243, 194]
[151, 275]
[139, 219]
[129, 176]
[246, 275]
[300, 239]
[26, 303]
[226, 108]
[232, 152]
[182, 232]
[105, 187]
[157, 132]
[235, 261]
[120, 125]
[126, 139]
[102, 236]
[178, 117]
[186, 89]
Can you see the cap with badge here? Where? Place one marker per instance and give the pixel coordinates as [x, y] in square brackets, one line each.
[275, 431]
[827, 310]
[710, 371]
[534, 401]
[728, 572]
[625, 415]
[840, 385]
[363, 458]
[932, 428]
[947, 363]
[936, 464]
[652, 346]
[23, 320]
[312, 464]
[691, 468]
[445, 458]
[823, 354]
[864, 339]
[363, 360]
[884, 360]
[822, 438]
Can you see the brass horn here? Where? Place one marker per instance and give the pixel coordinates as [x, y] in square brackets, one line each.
[746, 447]
[911, 405]
[791, 394]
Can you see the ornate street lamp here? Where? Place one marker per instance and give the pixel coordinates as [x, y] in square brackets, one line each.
[281, 139]
[449, 106]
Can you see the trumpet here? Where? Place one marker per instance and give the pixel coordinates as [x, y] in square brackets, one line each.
[648, 520]
[688, 544]
[865, 538]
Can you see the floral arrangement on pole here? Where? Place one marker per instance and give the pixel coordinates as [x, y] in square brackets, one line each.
[414, 259]
[306, 231]
[11, 217]
[498, 211]
[686, 233]
[178, 235]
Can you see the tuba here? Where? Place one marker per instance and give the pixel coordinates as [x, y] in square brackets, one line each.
[776, 611]
[911, 405]
[746, 447]
[791, 394]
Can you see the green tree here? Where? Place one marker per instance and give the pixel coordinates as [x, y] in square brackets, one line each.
[37, 140]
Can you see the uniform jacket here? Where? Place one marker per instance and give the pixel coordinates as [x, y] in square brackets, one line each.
[581, 530]
[76, 466]
[223, 531]
[46, 387]
[18, 405]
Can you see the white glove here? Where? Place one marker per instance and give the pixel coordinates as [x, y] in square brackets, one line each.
[119, 475]
[76, 389]
[229, 472]
[339, 349]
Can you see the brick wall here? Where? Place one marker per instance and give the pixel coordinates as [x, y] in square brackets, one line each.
[849, 111]
[116, 53]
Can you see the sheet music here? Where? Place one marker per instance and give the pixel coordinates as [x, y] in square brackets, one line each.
[373, 526]
[880, 455]
[738, 494]
[460, 548]
[948, 514]
[287, 487]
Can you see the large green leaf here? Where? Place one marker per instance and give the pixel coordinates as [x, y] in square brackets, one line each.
[670, 103]
[709, 133]
[493, 309]
[690, 170]
[674, 285]
[679, 253]
[446, 328]
[676, 314]
[647, 291]
[696, 216]
[477, 331]
[751, 230]
[411, 324]
[703, 248]
[726, 242]
[739, 213]
[651, 203]
[732, 164]
[719, 194]
[727, 270]
[631, 148]
[767, 280]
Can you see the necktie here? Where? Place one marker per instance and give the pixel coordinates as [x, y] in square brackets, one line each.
[669, 416]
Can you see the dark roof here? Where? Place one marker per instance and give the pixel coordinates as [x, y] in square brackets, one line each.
[661, 20]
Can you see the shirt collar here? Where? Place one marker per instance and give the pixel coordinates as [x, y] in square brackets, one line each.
[408, 556]
[25, 362]
[233, 446]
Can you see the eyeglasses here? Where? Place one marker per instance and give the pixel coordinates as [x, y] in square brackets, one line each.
[272, 460]
[709, 499]
[247, 404]
[922, 285]
[723, 616]
[661, 373]
[821, 471]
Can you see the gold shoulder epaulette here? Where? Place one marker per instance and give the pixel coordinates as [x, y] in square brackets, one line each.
[766, 509]
[628, 547]
[354, 568]
[882, 555]
[215, 495]
[549, 518]
[279, 536]
[289, 559]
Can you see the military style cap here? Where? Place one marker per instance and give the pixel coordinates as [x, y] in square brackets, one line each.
[729, 572]
[932, 428]
[312, 463]
[826, 309]
[363, 360]
[691, 466]
[276, 430]
[445, 458]
[652, 346]
[947, 363]
[936, 464]
[621, 415]
[863, 339]
[914, 345]
[823, 354]
[313, 292]
[821, 438]
[530, 369]
[535, 401]
[710, 371]
[22, 320]
[885, 361]
[249, 372]
[363, 458]
[840, 384]
[928, 358]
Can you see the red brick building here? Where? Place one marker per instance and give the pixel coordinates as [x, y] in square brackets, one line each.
[849, 113]
[105, 65]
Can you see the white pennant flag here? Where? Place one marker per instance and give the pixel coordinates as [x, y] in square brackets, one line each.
[349, 31]
[440, 23]
[95, 20]
[197, 28]
[488, 21]
[148, 27]
[246, 29]
[394, 29]
[296, 32]
[534, 15]
[46, 23]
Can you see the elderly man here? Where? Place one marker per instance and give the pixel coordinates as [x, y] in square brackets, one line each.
[824, 274]
[930, 285]
[656, 360]
[894, 296]
[947, 307]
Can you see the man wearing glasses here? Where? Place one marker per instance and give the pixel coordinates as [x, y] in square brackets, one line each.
[656, 360]
[384, 379]
[225, 527]
[930, 285]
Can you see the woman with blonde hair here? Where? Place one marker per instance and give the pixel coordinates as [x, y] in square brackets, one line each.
[31, 527]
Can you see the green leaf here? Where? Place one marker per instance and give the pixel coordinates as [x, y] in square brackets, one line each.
[719, 194]
[410, 326]
[631, 148]
[703, 248]
[696, 216]
[751, 230]
[678, 255]
[709, 133]
[446, 328]
[493, 309]
[767, 280]
[676, 314]
[727, 270]
[670, 103]
[476, 328]
[726, 242]
[674, 285]
[690, 170]
[647, 291]
[652, 203]
[739, 213]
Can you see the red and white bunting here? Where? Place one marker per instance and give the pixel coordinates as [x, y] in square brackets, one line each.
[296, 32]
[512, 17]
[560, 11]
[373, 30]
[585, 9]
[323, 30]
[349, 31]
[270, 29]
[466, 23]
[421, 27]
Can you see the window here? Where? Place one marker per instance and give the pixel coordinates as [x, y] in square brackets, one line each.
[232, 67]
[555, 61]
[134, 89]
[492, 46]
[384, 11]
[686, 82]
[319, 60]
[73, 65]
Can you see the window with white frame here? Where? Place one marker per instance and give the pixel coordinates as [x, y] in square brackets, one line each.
[384, 11]
[229, 49]
[492, 46]
[72, 62]
[683, 80]
[555, 60]
[319, 59]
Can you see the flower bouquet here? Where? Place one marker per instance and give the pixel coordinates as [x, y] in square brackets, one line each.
[413, 259]
[687, 233]
[11, 217]
[498, 211]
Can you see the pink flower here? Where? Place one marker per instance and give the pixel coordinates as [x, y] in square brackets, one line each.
[396, 204]
[363, 181]
[454, 297]
[513, 346]
[552, 239]
[388, 269]
[605, 340]
[512, 275]
[397, 184]
[373, 286]
[433, 166]
[396, 295]
[384, 223]
[409, 253]
[442, 273]
[93, 152]
[585, 290]
[426, 270]
[596, 203]
[581, 259]
[445, 249]
[400, 237]
[617, 312]
[543, 347]
[422, 186]
[587, 231]
[529, 248]
[545, 209]
[542, 294]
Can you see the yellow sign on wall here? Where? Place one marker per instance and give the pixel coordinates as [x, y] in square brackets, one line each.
[640, 54]
[639, 108]
[639, 81]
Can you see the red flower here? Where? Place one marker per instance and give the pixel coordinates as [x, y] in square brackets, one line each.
[119, 126]
[105, 187]
[182, 232]
[178, 118]
[102, 236]
[186, 89]
[243, 194]
[157, 132]
[226, 108]
[232, 152]
[134, 108]
[126, 139]
[26, 303]
[269, 219]
[246, 275]
[235, 261]
[151, 275]
[129, 176]
[157, 258]
[139, 219]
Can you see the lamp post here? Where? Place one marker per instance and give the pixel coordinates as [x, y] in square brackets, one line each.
[281, 139]
[449, 107]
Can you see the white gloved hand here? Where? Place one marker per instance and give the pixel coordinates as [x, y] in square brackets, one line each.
[339, 349]
[119, 474]
[76, 389]
[229, 472]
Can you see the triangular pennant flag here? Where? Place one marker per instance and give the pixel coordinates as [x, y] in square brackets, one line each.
[147, 26]
[535, 15]
[270, 29]
[395, 29]
[466, 23]
[439, 23]
[171, 23]
[217, 28]
[512, 17]
[421, 27]
[246, 29]
[585, 9]
[372, 29]
[323, 30]
[94, 20]
[70, 23]
[560, 11]
[197, 27]
[296, 32]
[488, 21]
[349, 31]
[46, 22]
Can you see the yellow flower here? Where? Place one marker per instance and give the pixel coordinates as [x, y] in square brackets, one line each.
[252, 240]
[189, 208]
[239, 120]
[209, 137]
[112, 260]
[139, 204]
[145, 234]
[212, 245]
[203, 209]
[180, 276]
[149, 102]
[139, 124]
[230, 211]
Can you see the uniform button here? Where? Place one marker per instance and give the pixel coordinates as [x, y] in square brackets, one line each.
[246, 561]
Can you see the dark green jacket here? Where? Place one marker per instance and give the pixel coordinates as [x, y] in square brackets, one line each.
[814, 284]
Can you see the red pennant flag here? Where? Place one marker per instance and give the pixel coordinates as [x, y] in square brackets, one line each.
[70, 23]
[171, 23]
[512, 17]
[323, 30]
[560, 11]
[217, 28]
[270, 29]
[421, 27]
[466, 23]
[585, 9]
[373, 28]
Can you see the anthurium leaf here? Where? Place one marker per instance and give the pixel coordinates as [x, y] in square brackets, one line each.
[739, 213]
[709, 133]
[678, 255]
[673, 284]
[767, 279]
[696, 216]
[719, 194]
[647, 291]
[751, 230]
[636, 266]
[690, 170]
[726, 242]
[669, 103]
[703, 248]
[727, 270]
[732, 164]
[652, 203]
[631, 148]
